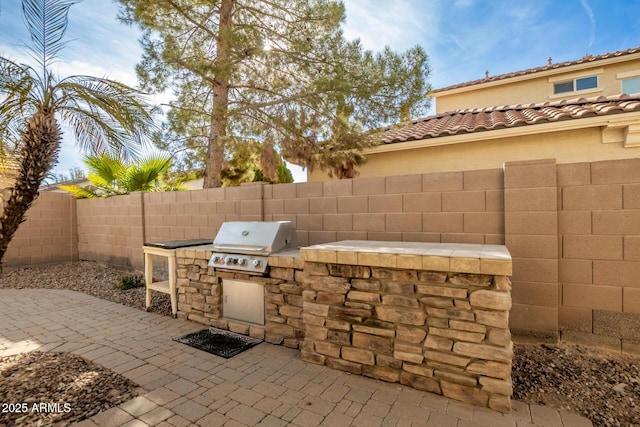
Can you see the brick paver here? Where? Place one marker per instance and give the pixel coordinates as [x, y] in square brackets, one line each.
[267, 385]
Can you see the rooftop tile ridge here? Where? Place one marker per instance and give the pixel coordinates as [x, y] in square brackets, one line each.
[564, 102]
[419, 120]
[519, 107]
[508, 116]
[585, 59]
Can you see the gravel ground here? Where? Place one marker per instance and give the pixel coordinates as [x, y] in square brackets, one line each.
[93, 278]
[57, 389]
[600, 385]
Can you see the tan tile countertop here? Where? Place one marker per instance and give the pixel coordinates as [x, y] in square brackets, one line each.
[289, 258]
[450, 257]
[453, 257]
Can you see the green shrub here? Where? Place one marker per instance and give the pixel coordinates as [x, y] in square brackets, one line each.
[130, 282]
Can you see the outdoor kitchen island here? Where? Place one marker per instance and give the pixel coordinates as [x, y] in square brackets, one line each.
[201, 295]
[428, 315]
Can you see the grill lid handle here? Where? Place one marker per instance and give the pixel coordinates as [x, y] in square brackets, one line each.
[239, 247]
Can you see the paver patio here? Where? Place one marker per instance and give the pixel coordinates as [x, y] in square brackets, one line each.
[267, 385]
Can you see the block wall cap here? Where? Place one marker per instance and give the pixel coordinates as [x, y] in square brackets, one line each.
[530, 162]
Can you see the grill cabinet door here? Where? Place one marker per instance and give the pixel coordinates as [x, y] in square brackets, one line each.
[243, 300]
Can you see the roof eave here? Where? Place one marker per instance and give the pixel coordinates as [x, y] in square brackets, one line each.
[617, 120]
[535, 75]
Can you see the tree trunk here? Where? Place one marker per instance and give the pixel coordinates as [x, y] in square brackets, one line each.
[218, 128]
[40, 143]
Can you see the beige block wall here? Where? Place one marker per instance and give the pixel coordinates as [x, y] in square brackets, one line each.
[531, 235]
[573, 231]
[111, 230]
[49, 233]
[599, 228]
[460, 207]
[198, 214]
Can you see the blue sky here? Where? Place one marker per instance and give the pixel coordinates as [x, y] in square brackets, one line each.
[463, 38]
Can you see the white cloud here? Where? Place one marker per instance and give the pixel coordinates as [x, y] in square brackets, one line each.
[457, 42]
[462, 4]
[78, 67]
[399, 24]
[592, 21]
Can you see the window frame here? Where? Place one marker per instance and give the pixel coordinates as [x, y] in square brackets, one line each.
[625, 76]
[572, 77]
[574, 85]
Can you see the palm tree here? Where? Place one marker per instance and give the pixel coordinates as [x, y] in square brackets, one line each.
[111, 175]
[104, 114]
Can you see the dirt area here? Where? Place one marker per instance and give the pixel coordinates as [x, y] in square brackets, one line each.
[601, 385]
[57, 389]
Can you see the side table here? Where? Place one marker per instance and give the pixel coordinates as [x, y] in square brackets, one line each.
[165, 286]
[167, 250]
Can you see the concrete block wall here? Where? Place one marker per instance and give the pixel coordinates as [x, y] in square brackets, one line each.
[111, 230]
[198, 214]
[49, 234]
[531, 235]
[599, 265]
[456, 207]
[573, 231]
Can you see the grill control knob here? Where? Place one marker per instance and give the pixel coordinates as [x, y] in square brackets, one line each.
[228, 260]
[257, 263]
[216, 259]
[242, 261]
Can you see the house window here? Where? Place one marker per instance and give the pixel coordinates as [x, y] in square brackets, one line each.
[583, 83]
[631, 85]
[563, 87]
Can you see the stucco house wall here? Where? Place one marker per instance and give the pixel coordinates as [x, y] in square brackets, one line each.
[488, 150]
[529, 86]
[483, 123]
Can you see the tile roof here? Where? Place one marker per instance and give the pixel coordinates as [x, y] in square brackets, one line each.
[585, 59]
[494, 118]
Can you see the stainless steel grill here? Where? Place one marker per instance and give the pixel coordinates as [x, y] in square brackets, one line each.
[246, 246]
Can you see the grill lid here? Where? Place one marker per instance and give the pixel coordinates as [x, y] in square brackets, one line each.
[254, 237]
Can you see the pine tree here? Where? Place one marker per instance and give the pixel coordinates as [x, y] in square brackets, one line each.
[277, 71]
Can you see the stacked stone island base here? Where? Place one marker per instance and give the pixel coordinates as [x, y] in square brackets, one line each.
[431, 316]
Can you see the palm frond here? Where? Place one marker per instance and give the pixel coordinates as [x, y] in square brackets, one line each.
[105, 168]
[146, 174]
[18, 100]
[104, 113]
[79, 192]
[16, 84]
[110, 175]
[47, 23]
[11, 72]
[95, 133]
